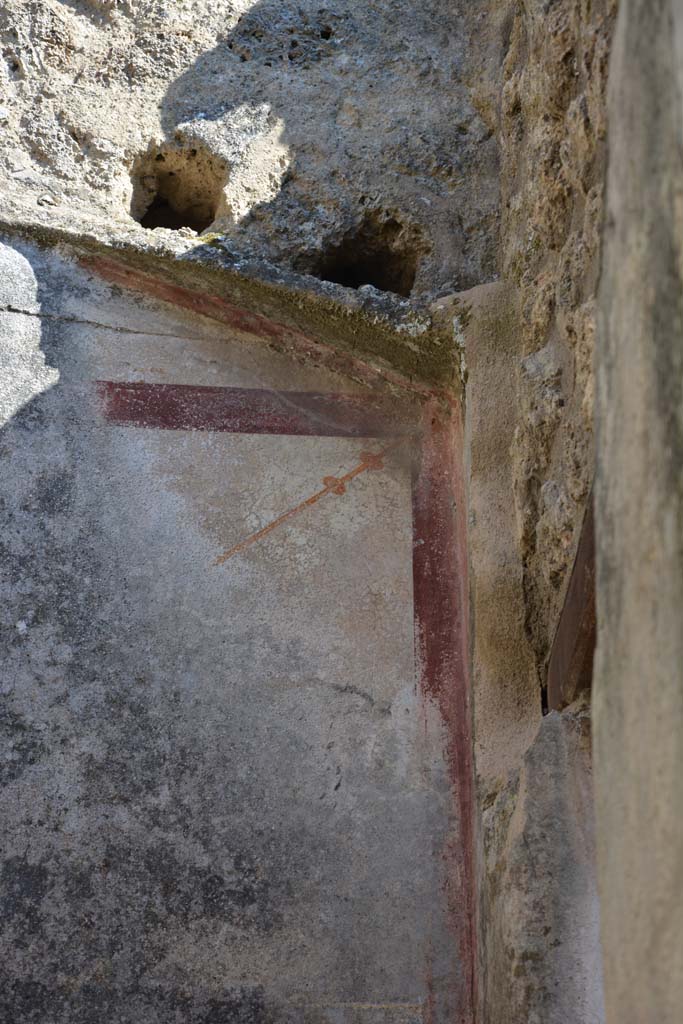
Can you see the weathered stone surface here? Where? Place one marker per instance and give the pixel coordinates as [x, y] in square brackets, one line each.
[552, 140]
[538, 927]
[541, 918]
[320, 123]
[507, 704]
[639, 523]
[529, 388]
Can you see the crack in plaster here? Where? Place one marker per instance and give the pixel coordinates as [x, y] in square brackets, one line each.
[57, 318]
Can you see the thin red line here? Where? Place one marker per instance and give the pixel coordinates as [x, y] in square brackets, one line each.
[333, 485]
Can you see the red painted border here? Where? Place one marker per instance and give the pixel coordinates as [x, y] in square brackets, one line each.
[440, 601]
[246, 410]
[440, 586]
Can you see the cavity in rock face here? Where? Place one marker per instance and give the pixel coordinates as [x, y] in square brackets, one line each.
[380, 252]
[177, 186]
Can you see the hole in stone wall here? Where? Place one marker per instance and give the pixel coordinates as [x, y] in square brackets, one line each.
[381, 252]
[177, 186]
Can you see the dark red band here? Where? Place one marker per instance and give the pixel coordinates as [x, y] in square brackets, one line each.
[245, 410]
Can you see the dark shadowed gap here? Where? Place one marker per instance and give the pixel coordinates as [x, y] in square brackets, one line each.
[378, 253]
[160, 214]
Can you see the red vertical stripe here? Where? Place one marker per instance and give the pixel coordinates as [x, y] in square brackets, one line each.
[441, 646]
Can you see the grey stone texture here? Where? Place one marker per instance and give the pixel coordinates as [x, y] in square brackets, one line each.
[541, 917]
[639, 523]
[318, 122]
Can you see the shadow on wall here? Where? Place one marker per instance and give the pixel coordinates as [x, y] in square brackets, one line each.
[104, 851]
[328, 164]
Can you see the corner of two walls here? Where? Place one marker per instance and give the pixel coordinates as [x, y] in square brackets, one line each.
[539, 959]
[529, 464]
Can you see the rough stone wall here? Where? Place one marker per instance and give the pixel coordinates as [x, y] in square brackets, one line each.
[639, 523]
[552, 140]
[539, 839]
[529, 350]
[538, 915]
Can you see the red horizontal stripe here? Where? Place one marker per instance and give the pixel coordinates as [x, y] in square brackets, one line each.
[246, 410]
